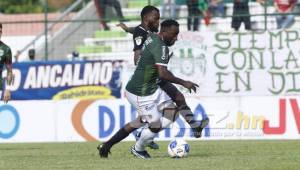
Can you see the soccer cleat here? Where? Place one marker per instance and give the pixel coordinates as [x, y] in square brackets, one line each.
[197, 131]
[153, 145]
[140, 154]
[104, 150]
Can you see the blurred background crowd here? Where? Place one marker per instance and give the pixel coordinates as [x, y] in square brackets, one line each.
[86, 29]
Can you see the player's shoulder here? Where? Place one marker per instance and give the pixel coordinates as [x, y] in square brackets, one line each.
[4, 47]
[153, 42]
[154, 38]
[140, 31]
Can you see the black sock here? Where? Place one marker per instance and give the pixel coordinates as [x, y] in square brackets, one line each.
[188, 115]
[120, 135]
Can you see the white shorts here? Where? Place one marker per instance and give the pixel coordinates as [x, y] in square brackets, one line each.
[147, 106]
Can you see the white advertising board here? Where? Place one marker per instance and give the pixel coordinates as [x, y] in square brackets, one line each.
[266, 117]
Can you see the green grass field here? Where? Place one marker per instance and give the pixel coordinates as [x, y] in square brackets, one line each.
[206, 155]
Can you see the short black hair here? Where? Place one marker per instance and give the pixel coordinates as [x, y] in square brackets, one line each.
[168, 23]
[148, 9]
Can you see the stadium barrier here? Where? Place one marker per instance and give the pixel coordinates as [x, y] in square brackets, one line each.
[260, 117]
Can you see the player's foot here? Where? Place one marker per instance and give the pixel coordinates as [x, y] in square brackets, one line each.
[198, 130]
[153, 145]
[140, 154]
[104, 150]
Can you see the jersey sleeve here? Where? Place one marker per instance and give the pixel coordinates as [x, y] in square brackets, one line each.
[139, 37]
[160, 53]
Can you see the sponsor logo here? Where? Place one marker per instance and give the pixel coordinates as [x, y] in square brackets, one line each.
[281, 129]
[9, 121]
[138, 40]
[67, 80]
[113, 117]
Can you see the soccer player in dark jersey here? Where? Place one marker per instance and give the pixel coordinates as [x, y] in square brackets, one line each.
[5, 59]
[150, 23]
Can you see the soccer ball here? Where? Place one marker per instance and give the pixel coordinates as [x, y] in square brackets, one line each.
[178, 148]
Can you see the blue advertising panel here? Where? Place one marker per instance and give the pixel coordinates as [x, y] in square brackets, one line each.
[59, 80]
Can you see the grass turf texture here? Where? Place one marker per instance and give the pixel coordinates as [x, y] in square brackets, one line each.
[207, 155]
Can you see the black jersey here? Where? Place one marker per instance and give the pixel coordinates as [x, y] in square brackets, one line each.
[140, 35]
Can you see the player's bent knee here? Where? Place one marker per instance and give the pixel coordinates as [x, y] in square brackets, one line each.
[171, 114]
[169, 110]
[166, 105]
[155, 127]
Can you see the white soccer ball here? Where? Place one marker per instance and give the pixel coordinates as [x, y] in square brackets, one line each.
[178, 148]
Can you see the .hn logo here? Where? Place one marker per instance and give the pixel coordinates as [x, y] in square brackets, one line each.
[282, 118]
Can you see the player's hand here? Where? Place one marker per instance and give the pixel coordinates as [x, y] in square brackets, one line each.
[6, 96]
[123, 26]
[191, 86]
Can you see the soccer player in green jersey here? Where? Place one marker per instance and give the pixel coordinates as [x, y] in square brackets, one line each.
[149, 23]
[5, 59]
[150, 18]
[143, 91]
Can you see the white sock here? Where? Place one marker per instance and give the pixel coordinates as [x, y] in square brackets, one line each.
[165, 122]
[146, 137]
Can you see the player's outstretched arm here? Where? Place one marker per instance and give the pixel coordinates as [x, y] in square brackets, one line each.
[166, 75]
[125, 28]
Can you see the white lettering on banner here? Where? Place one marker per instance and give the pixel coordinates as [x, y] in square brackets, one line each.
[43, 76]
[54, 78]
[17, 79]
[92, 73]
[69, 75]
[30, 79]
[76, 79]
[106, 72]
